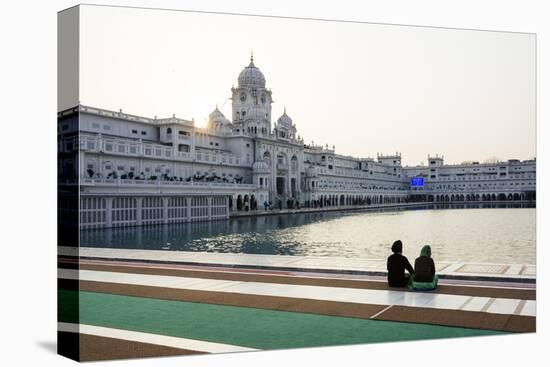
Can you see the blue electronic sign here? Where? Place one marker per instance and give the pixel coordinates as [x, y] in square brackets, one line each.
[417, 181]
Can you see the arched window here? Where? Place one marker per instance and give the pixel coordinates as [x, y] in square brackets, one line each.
[169, 130]
[294, 163]
[267, 158]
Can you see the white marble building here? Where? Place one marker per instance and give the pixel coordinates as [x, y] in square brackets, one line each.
[511, 180]
[136, 170]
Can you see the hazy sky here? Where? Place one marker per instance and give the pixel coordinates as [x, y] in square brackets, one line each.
[366, 88]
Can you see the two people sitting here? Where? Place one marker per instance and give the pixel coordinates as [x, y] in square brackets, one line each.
[422, 277]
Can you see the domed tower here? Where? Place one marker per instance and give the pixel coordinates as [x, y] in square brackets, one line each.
[217, 122]
[252, 102]
[284, 128]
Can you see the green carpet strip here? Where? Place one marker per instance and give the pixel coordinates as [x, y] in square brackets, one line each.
[249, 327]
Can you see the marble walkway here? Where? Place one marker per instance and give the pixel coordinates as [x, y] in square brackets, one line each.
[450, 270]
[497, 297]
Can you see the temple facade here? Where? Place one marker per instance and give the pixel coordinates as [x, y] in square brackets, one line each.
[136, 170]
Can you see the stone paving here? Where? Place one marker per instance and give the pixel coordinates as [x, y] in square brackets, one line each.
[446, 270]
[472, 299]
[323, 293]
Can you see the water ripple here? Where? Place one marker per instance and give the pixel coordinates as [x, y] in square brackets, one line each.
[495, 235]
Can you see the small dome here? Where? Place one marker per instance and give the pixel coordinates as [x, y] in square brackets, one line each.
[260, 167]
[285, 120]
[218, 116]
[251, 76]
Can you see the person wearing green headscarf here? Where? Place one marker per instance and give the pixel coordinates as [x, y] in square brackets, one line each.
[425, 277]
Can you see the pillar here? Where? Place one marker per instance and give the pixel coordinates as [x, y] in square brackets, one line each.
[164, 210]
[289, 184]
[82, 168]
[109, 212]
[139, 204]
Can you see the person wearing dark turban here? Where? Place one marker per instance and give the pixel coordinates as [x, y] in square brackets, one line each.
[396, 265]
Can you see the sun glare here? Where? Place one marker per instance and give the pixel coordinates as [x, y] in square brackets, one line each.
[201, 122]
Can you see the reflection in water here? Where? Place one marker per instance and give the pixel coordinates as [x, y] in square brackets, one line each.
[482, 233]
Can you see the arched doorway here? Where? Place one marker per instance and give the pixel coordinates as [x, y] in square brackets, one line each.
[280, 185]
[239, 202]
[293, 188]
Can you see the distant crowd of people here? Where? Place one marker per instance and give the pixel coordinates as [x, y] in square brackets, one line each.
[421, 277]
[291, 203]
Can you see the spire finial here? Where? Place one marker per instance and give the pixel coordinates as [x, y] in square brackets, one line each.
[251, 56]
[285, 110]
